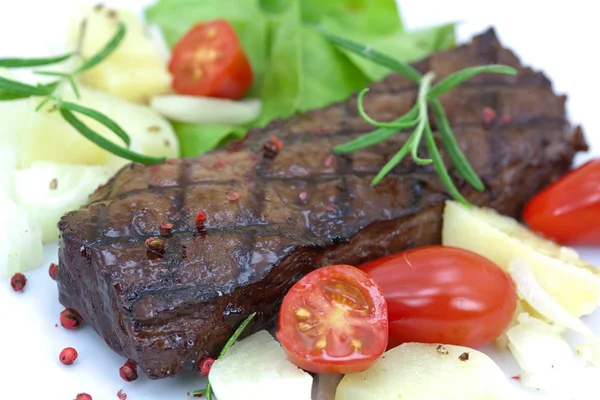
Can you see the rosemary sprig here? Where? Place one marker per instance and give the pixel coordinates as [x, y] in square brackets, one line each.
[208, 390]
[417, 117]
[11, 90]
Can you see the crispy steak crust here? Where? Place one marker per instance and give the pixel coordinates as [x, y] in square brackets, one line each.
[299, 210]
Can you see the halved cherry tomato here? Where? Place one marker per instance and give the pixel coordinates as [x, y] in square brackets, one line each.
[439, 294]
[209, 61]
[334, 320]
[568, 210]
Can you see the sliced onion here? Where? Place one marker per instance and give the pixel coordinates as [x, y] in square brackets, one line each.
[531, 291]
[206, 110]
[538, 346]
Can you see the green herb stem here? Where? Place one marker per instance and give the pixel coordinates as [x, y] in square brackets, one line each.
[103, 119]
[398, 157]
[375, 56]
[439, 166]
[423, 118]
[455, 79]
[106, 51]
[230, 342]
[104, 143]
[236, 335]
[32, 62]
[12, 96]
[406, 121]
[366, 140]
[23, 89]
[457, 156]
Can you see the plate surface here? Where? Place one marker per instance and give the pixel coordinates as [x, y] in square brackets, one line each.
[547, 35]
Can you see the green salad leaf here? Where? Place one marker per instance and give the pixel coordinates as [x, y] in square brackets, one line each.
[369, 17]
[282, 84]
[295, 67]
[196, 139]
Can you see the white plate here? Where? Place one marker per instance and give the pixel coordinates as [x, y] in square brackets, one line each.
[555, 36]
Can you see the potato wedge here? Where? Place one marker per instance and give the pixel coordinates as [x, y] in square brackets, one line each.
[567, 278]
[136, 70]
[417, 371]
[258, 367]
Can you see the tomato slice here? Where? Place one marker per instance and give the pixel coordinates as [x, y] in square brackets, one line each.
[209, 61]
[568, 211]
[334, 320]
[447, 295]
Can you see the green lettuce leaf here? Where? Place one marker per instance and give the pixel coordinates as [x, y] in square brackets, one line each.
[329, 76]
[305, 71]
[196, 139]
[371, 17]
[281, 90]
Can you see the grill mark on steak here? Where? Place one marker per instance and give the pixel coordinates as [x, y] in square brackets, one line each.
[167, 312]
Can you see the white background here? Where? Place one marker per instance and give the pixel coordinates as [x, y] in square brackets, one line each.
[557, 36]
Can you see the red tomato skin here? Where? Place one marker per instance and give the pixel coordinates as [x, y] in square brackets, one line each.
[227, 76]
[568, 211]
[376, 325]
[439, 294]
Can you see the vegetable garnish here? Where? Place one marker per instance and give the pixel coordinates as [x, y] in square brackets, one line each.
[334, 320]
[567, 211]
[287, 55]
[209, 61]
[447, 282]
[560, 271]
[11, 90]
[208, 390]
[418, 118]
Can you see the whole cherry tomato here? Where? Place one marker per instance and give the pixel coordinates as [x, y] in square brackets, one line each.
[209, 61]
[334, 320]
[568, 211]
[447, 295]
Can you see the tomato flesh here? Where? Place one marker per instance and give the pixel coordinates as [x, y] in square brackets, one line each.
[334, 320]
[439, 294]
[209, 61]
[568, 211]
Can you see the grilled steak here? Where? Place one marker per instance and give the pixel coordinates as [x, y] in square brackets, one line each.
[273, 215]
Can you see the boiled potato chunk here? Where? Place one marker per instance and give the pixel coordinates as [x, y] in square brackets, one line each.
[45, 136]
[49, 190]
[136, 70]
[258, 368]
[560, 272]
[20, 239]
[417, 371]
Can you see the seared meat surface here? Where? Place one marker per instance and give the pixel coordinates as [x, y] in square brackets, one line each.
[272, 218]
